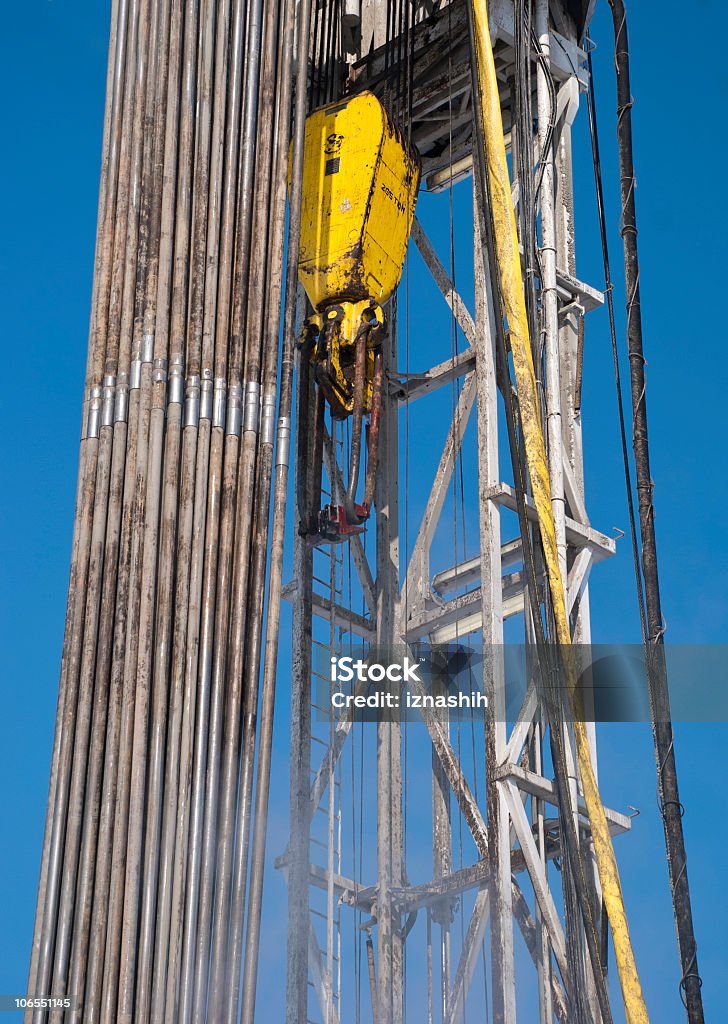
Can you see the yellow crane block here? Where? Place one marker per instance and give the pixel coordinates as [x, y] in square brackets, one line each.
[360, 182]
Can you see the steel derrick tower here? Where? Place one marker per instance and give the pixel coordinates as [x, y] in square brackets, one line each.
[271, 171]
[413, 594]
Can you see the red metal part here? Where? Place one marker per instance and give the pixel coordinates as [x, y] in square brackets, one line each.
[333, 526]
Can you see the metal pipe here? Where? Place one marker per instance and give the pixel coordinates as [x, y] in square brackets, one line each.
[298, 916]
[114, 86]
[169, 343]
[84, 707]
[186, 881]
[389, 777]
[235, 232]
[145, 772]
[208, 836]
[550, 330]
[275, 579]
[374, 428]
[360, 362]
[55, 851]
[43, 967]
[249, 309]
[122, 76]
[549, 298]
[140, 741]
[125, 435]
[189, 265]
[115, 970]
[372, 974]
[105, 714]
[256, 533]
[317, 456]
[305, 507]
[113, 925]
[124, 243]
[298, 847]
[199, 353]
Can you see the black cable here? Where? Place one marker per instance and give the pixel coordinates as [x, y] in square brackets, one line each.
[321, 57]
[609, 294]
[329, 68]
[389, 53]
[548, 140]
[669, 800]
[411, 73]
[402, 63]
[522, 163]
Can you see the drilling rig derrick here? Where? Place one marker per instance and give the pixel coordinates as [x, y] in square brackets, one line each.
[259, 271]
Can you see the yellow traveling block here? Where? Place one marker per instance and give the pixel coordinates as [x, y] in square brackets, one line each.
[360, 182]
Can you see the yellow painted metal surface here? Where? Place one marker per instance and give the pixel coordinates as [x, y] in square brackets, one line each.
[506, 245]
[360, 182]
[338, 327]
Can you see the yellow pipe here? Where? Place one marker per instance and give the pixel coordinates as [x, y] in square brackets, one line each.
[506, 245]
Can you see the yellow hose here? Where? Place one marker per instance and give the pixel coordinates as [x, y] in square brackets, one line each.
[506, 245]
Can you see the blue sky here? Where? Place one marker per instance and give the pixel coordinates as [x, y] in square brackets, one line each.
[53, 65]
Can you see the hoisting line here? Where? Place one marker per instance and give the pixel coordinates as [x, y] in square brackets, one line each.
[506, 245]
[669, 797]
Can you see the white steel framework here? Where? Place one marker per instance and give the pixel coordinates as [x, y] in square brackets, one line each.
[511, 902]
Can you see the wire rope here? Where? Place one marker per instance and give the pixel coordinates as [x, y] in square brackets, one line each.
[609, 294]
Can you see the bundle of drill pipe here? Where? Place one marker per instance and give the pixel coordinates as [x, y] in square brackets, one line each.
[142, 897]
